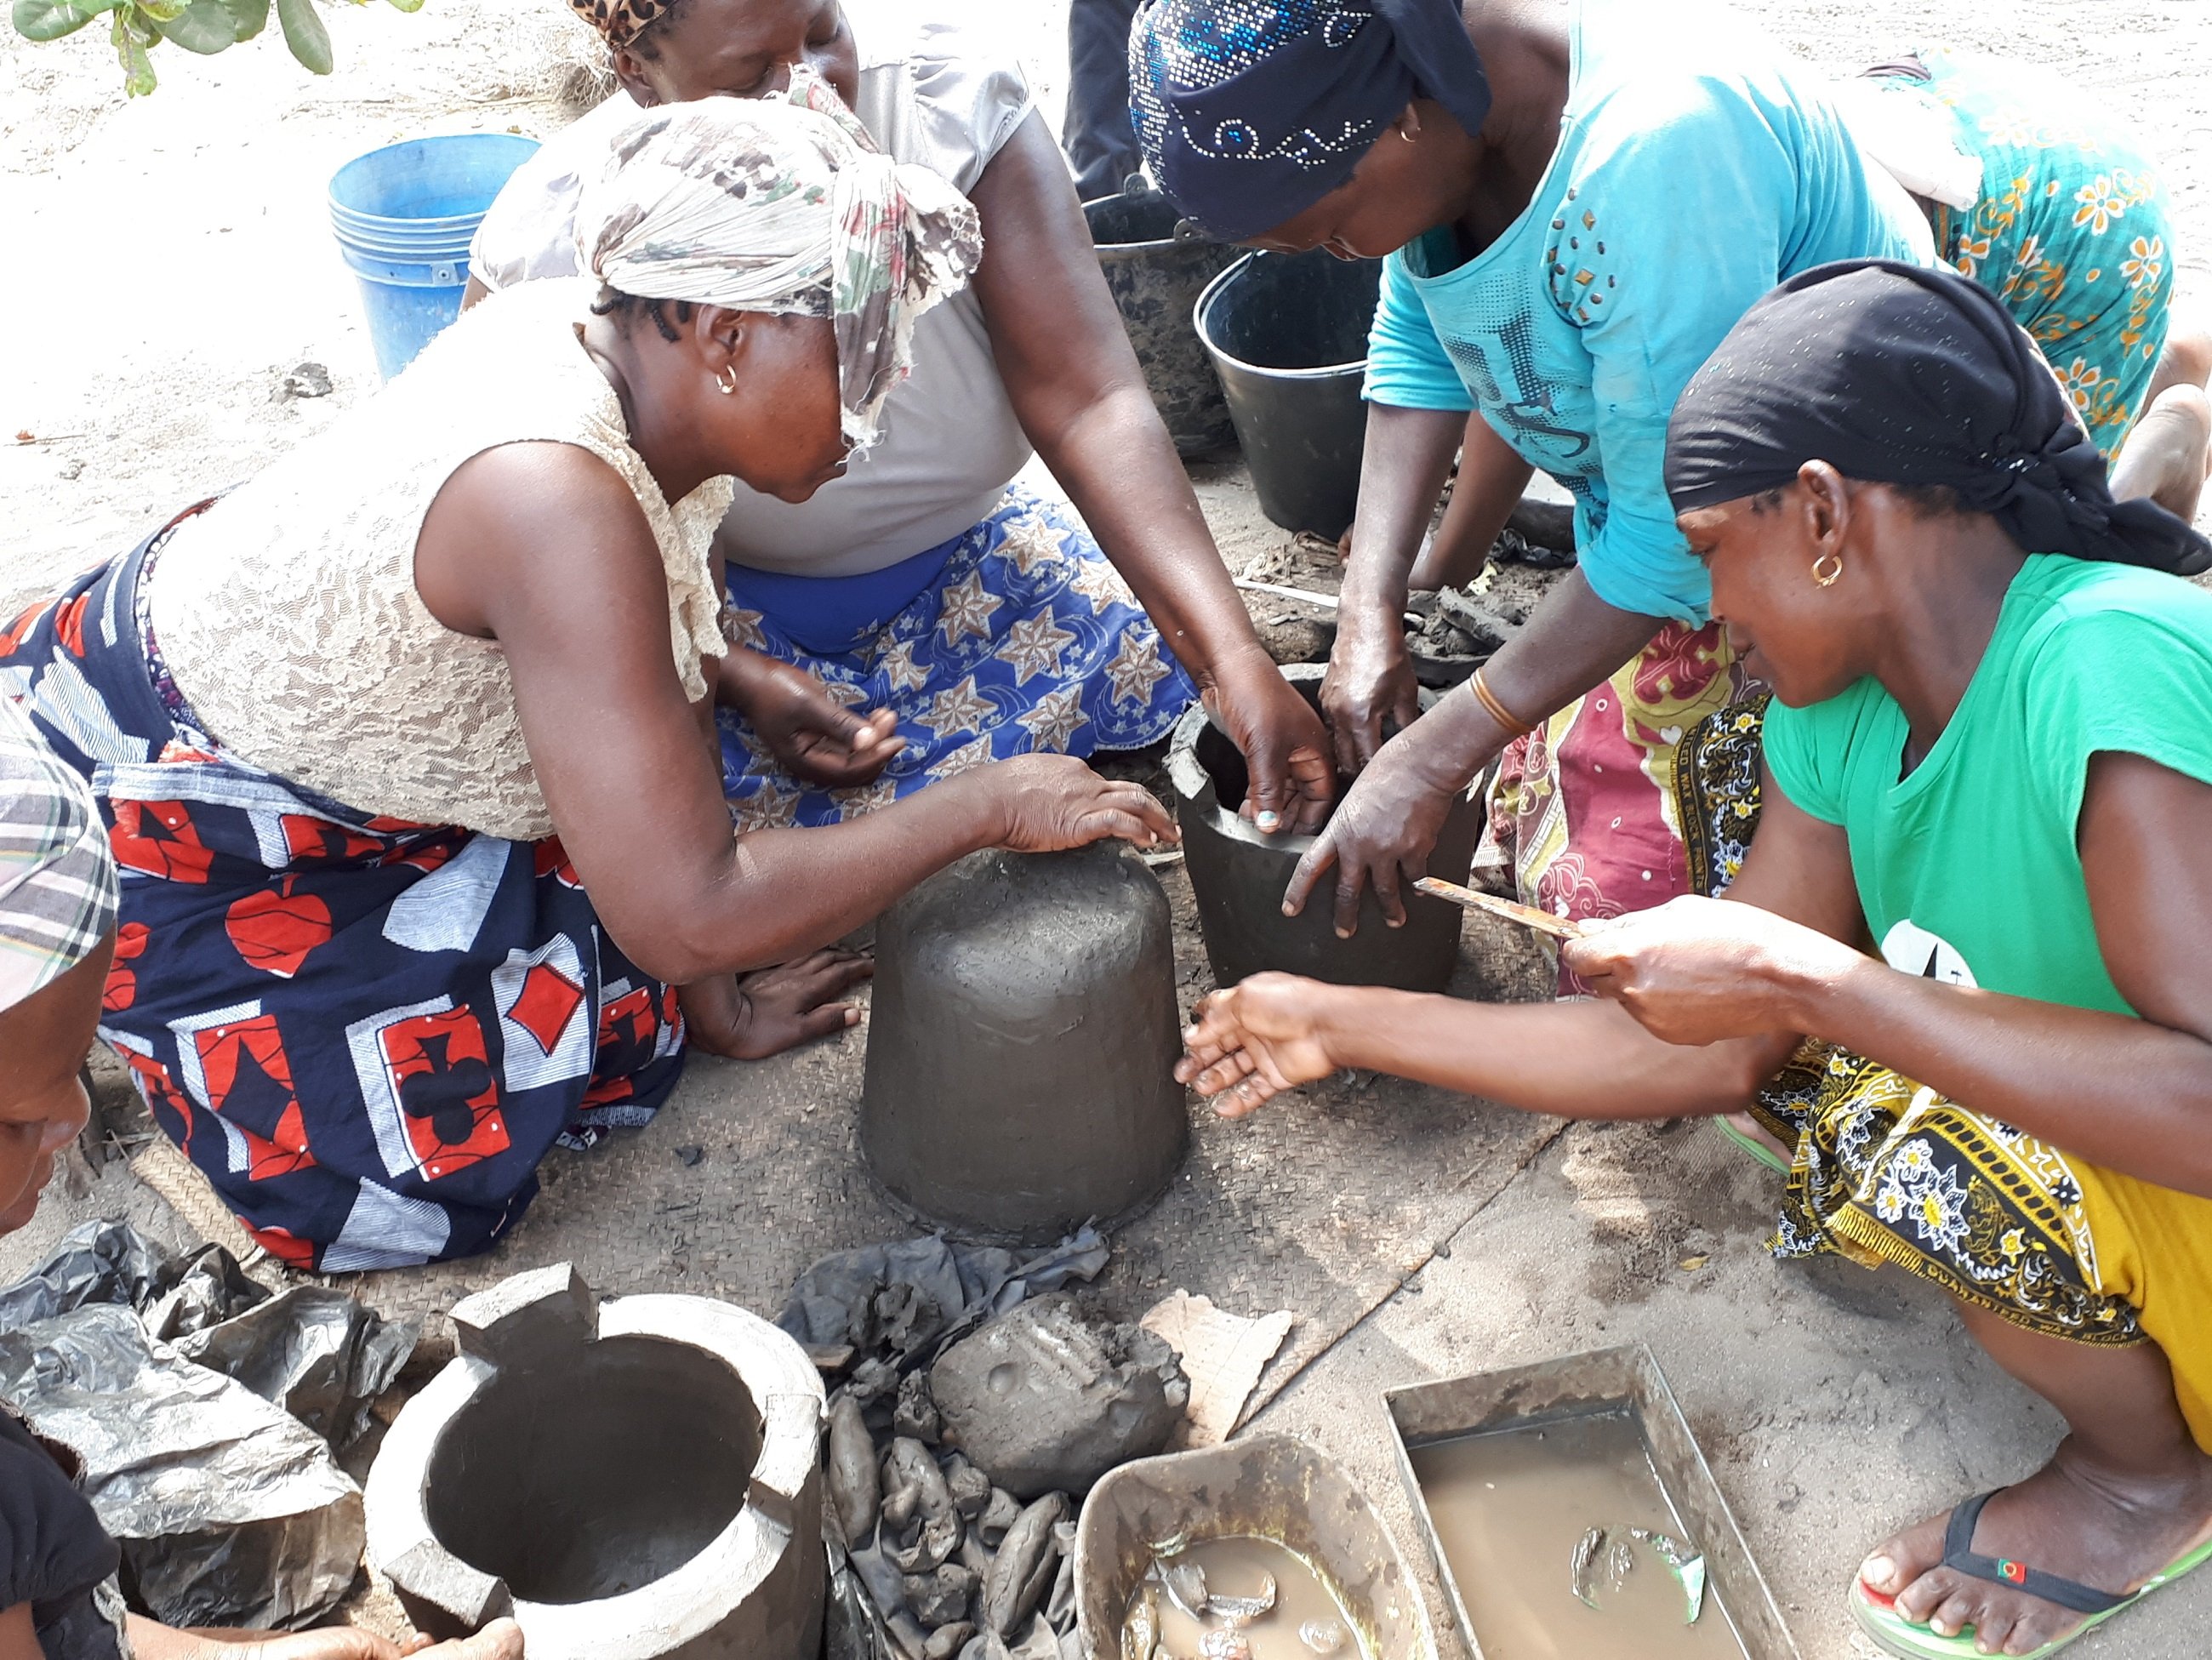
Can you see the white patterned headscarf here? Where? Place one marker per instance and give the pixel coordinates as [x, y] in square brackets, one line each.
[783, 206]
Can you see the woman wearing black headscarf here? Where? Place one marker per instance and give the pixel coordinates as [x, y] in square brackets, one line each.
[1987, 783]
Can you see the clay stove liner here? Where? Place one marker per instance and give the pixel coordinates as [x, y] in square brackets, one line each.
[629, 1480]
[1261, 1486]
[1237, 875]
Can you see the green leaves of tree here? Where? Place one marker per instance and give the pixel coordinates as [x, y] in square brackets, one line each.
[50, 19]
[304, 33]
[205, 27]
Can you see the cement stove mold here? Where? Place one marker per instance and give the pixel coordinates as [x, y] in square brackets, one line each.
[1237, 875]
[638, 1478]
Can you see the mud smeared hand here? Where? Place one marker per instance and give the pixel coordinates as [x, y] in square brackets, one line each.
[1284, 746]
[1262, 1036]
[500, 1640]
[1369, 690]
[1383, 833]
[1048, 802]
[749, 1017]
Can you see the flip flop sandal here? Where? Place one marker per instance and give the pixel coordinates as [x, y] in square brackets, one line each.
[1892, 1634]
[1752, 1144]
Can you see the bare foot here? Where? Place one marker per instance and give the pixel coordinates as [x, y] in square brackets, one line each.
[2165, 457]
[2074, 1518]
[752, 1016]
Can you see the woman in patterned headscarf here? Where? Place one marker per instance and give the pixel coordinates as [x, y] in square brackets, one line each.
[405, 743]
[977, 614]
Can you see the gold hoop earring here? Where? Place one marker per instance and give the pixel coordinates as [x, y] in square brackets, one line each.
[727, 379]
[1826, 579]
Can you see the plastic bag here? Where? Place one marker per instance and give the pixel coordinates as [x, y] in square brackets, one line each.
[891, 1302]
[314, 1352]
[204, 1408]
[230, 1511]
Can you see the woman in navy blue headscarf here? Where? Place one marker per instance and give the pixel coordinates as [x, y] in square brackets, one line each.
[1577, 202]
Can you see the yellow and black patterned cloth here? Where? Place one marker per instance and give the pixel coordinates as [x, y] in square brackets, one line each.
[1885, 1171]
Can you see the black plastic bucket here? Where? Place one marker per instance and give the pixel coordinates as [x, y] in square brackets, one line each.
[1156, 278]
[1288, 336]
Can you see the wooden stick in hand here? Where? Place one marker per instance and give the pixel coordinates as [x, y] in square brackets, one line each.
[1513, 911]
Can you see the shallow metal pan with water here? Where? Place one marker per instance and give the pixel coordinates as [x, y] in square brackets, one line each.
[1570, 1513]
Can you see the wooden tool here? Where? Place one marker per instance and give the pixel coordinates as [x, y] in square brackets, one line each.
[1527, 915]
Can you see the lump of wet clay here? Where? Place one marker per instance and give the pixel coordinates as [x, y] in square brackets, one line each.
[1043, 1400]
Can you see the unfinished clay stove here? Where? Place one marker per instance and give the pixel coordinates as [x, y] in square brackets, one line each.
[1237, 876]
[629, 1480]
[1022, 1044]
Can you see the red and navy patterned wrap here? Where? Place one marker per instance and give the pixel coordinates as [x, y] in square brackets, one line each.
[366, 1033]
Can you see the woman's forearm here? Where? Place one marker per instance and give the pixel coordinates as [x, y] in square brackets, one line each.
[1408, 455]
[775, 894]
[2128, 1094]
[1572, 642]
[1572, 1060]
[1120, 469]
[1493, 478]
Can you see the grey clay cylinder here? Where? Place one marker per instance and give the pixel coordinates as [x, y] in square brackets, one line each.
[1022, 1042]
[1237, 876]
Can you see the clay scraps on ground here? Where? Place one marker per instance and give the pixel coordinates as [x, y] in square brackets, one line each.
[966, 1416]
[1463, 625]
[1044, 1400]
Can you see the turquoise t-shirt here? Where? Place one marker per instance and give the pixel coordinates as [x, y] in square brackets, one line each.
[1968, 869]
[1691, 176]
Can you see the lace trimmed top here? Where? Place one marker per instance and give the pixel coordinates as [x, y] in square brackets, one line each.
[287, 613]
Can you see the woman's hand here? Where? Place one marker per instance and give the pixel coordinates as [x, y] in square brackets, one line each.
[1048, 802]
[1370, 686]
[749, 1017]
[1265, 1035]
[1701, 970]
[814, 737]
[1383, 833]
[1285, 748]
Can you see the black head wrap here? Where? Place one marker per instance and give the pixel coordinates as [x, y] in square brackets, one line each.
[1251, 111]
[1897, 375]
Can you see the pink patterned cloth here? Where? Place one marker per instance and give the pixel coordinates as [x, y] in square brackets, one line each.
[1583, 811]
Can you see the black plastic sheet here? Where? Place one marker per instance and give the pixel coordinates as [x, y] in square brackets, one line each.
[891, 1302]
[204, 1408]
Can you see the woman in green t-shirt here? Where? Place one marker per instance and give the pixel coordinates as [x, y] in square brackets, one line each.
[1987, 782]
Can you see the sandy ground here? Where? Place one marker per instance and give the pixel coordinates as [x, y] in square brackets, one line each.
[172, 261]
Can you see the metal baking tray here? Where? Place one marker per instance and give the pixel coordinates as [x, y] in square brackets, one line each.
[1607, 1381]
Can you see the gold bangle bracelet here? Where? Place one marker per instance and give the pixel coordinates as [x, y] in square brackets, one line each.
[1497, 711]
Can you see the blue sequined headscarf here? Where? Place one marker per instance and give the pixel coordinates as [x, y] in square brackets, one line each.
[1251, 111]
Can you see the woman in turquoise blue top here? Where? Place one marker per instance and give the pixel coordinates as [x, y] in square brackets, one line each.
[1565, 249]
[1958, 976]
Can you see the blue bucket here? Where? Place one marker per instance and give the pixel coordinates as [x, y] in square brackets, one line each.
[405, 215]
